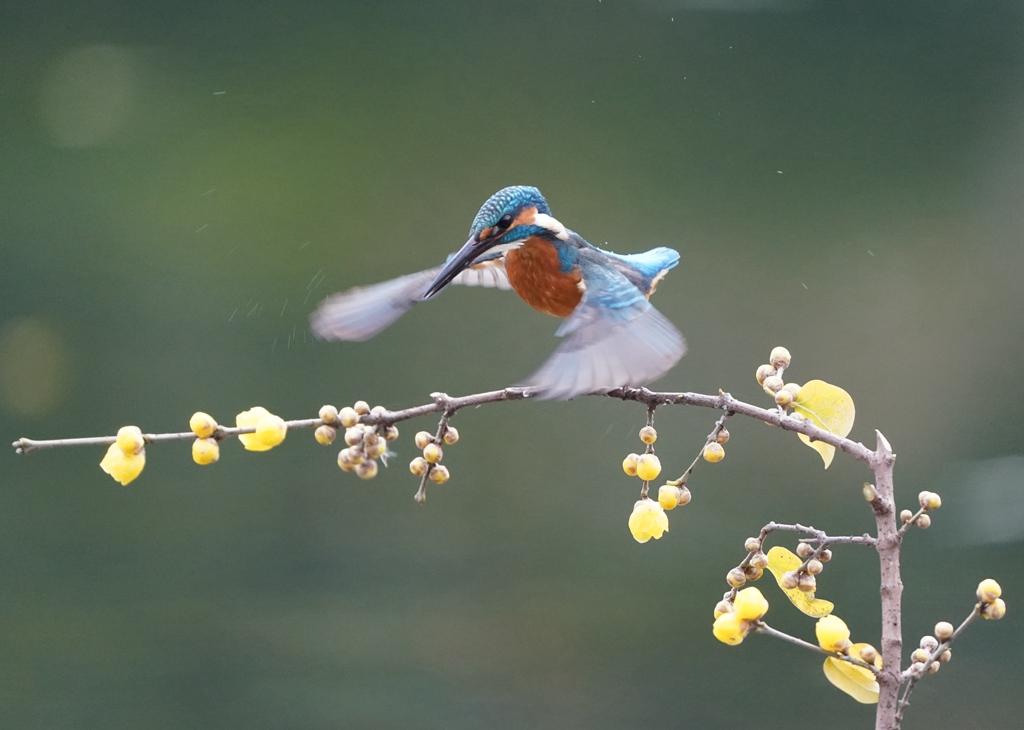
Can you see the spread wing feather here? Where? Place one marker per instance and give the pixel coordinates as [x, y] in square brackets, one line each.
[614, 338]
[360, 313]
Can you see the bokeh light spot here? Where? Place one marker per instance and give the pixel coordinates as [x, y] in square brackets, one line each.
[35, 365]
[87, 95]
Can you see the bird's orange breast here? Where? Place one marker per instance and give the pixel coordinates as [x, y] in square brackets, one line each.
[534, 272]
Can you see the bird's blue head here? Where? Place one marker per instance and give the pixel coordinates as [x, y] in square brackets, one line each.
[505, 221]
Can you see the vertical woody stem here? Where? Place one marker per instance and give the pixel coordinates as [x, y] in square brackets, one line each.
[888, 547]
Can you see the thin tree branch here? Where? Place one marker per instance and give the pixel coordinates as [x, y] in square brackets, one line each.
[763, 628]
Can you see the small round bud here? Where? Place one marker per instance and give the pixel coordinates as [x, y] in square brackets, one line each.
[648, 435]
[995, 610]
[919, 656]
[946, 656]
[205, 451]
[807, 583]
[804, 550]
[202, 424]
[684, 496]
[943, 630]
[780, 357]
[367, 470]
[668, 496]
[933, 668]
[929, 500]
[376, 450]
[325, 435]
[929, 643]
[764, 372]
[825, 555]
[629, 464]
[735, 578]
[759, 560]
[353, 455]
[723, 436]
[378, 411]
[906, 516]
[343, 461]
[793, 388]
[752, 545]
[390, 433]
[361, 407]
[432, 453]
[868, 654]
[130, 441]
[439, 474]
[370, 437]
[917, 668]
[789, 580]
[418, 466]
[814, 567]
[714, 453]
[648, 467]
[753, 573]
[784, 398]
[451, 435]
[328, 414]
[723, 607]
[924, 522]
[773, 383]
[348, 417]
[730, 629]
[354, 435]
[869, 492]
[989, 590]
[423, 438]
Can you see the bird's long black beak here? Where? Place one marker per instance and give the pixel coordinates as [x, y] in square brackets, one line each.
[455, 266]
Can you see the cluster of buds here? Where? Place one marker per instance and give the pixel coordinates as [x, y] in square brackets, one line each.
[990, 605]
[933, 651]
[752, 567]
[365, 443]
[833, 635]
[928, 501]
[737, 615]
[429, 464]
[714, 451]
[769, 377]
[804, 576]
[206, 447]
[648, 518]
[126, 457]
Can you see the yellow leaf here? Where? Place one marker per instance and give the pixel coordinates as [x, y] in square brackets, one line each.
[855, 681]
[828, 407]
[781, 560]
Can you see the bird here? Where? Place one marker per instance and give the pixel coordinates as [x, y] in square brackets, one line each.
[612, 337]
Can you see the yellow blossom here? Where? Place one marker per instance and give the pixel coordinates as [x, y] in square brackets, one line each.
[205, 451]
[130, 441]
[730, 629]
[750, 604]
[270, 429]
[648, 520]
[202, 424]
[121, 466]
[832, 633]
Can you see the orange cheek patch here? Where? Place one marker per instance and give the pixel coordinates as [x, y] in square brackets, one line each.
[525, 217]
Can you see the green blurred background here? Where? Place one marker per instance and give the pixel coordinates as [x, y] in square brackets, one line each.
[181, 182]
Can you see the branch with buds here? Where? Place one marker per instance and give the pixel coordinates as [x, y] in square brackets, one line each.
[819, 413]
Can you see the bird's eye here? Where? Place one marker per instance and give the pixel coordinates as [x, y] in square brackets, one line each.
[504, 222]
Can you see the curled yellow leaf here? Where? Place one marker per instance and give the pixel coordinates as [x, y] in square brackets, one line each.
[780, 561]
[828, 407]
[855, 681]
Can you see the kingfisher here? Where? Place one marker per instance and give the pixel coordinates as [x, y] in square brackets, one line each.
[612, 335]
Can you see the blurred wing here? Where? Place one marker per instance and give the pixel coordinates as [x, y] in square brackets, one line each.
[614, 338]
[360, 313]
